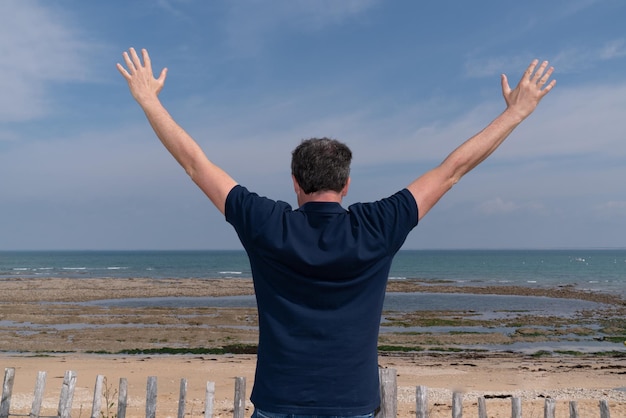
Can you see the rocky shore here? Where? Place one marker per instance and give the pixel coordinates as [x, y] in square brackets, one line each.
[46, 324]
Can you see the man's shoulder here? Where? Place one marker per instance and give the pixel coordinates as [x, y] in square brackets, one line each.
[402, 196]
[240, 198]
[399, 205]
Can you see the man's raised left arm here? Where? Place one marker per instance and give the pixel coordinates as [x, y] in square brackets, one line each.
[521, 102]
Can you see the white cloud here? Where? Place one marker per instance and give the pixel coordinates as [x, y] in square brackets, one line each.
[573, 7]
[580, 58]
[316, 15]
[39, 46]
[171, 7]
[249, 23]
[497, 205]
[584, 121]
[613, 49]
[477, 67]
[570, 59]
[611, 209]
[570, 123]
[500, 206]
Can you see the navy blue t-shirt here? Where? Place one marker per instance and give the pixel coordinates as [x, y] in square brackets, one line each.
[319, 274]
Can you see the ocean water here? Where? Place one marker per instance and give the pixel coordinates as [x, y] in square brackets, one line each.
[596, 270]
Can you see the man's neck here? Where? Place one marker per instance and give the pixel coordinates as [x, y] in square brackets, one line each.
[324, 196]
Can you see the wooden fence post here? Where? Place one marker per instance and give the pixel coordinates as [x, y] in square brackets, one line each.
[516, 408]
[573, 409]
[388, 393]
[457, 405]
[151, 397]
[549, 408]
[240, 397]
[97, 397]
[182, 398]
[482, 407]
[209, 399]
[421, 402]
[122, 398]
[40, 387]
[7, 391]
[67, 394]
[604, 409]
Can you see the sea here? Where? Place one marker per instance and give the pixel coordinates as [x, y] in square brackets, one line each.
[601, 270]
[594, 270]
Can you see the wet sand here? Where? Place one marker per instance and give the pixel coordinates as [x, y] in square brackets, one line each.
[43, 329]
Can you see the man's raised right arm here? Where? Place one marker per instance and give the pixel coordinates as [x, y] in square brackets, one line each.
[144, 87]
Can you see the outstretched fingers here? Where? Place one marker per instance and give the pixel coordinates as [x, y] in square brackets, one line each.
[529, 71]
[544, 79]
[539, 73]
[136, 62]
[138, 73]
[133, 62]
[533, 86]
[146, 58]
[541, 76]
[123, 71]
[130, 65]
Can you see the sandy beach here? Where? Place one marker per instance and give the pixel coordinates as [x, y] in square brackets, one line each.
[39, 318]
[498, 378]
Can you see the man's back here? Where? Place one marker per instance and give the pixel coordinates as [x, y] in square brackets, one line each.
[320, 274]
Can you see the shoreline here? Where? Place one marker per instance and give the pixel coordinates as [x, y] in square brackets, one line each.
[55, 289]
[50, 314]
[46, 328]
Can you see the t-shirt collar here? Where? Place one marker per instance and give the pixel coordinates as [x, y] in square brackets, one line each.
[326, 207]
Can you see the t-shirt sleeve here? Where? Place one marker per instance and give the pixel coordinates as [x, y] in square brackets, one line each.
[250, 213]
[392, 217]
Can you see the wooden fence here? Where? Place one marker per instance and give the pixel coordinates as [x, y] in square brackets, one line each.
[388, 390]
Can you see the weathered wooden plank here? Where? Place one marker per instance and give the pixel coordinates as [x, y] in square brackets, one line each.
[240, 397]
[182, 398]
[457, 405]
[482, 407]
[516, 408]
[388, 393]
[67, 394]
[122, 398]
[604, 409]
[7, 392]
[151, 397]
[549, 408]
[209, 400]
[97, 397]
[573, 410]
[421, 402]
[40, 386]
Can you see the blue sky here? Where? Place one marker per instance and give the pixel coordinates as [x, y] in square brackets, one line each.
[401, 82]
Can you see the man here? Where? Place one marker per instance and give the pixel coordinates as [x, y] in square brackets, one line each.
[320, 271]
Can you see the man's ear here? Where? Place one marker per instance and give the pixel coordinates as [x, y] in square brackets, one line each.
[296, 185]
[344, 191]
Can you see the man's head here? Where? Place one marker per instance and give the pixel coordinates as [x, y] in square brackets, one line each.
[321, 164]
